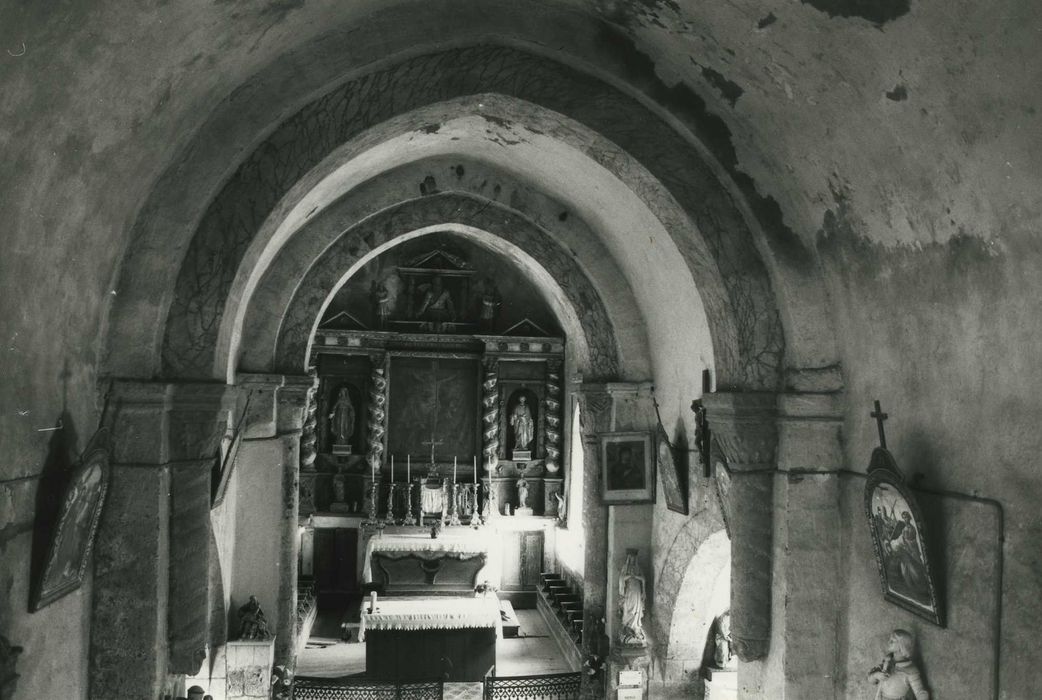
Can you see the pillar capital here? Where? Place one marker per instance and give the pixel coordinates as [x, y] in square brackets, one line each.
[163, 422]
[744, 425]
[275, 403]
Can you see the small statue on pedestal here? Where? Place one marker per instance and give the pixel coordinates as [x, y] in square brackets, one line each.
[723, 646]
[436, 529]
[898, 675]
[252, 623]
[631, 602]
[342, 422]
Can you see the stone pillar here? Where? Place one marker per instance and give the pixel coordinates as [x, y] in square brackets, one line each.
[292, 402]
[595, 417]
[151, 598]
[743, 426]
[809, 434]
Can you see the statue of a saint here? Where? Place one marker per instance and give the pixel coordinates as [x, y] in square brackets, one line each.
[382, 303]
[342, 418]
[897, 675]
[521, 422]
[723, 647]
[631, 602]
[562, 514]
[522, 493]
[252, 623]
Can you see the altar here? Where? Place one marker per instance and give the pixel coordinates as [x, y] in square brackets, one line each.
[418, 638]
[417, 564]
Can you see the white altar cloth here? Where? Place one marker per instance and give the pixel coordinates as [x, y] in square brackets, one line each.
[469, 542]
[437, 613]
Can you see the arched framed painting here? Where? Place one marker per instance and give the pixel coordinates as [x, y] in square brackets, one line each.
[899, 539]
[73, 540]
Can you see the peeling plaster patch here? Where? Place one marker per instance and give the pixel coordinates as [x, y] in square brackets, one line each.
[431, 129]
[728, 89]
[429, 186]
[877, 11]
[898, 94]
[767, 21]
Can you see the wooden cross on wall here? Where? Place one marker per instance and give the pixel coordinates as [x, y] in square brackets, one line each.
[880, 417]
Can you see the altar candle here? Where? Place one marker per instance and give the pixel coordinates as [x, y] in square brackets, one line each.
[372, 602]
[454, 469]
[475, 470]
[392, 469]
[408, 467]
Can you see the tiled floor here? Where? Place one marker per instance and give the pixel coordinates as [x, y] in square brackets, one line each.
[533, 651]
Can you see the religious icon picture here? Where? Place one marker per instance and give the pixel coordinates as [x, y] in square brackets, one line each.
[673, 465]
[77, 525]
[627, 468]
[899, 540]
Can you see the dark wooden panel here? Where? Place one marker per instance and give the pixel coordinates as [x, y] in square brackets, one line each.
[532, 560]
[455, 655]
[511, 558]
[433, 396]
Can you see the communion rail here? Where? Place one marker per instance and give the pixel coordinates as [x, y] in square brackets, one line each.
[364, 689]
[551, 686]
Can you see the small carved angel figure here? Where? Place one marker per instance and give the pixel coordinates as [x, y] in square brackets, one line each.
[898, 675]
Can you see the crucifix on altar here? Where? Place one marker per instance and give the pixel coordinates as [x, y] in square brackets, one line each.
[432, 469]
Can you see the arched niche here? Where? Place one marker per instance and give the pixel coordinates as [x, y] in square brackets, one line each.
[704, 594]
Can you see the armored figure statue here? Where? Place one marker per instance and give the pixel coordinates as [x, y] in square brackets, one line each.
[898, 675]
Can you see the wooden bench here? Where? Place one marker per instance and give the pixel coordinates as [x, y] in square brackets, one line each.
[509, 618]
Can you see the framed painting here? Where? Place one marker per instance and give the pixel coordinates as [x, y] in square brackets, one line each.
[627, 468]
[672, 465]
[899, 539]
[77, 525]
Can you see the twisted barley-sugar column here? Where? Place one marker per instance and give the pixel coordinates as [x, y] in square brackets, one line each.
[377, 416]
[553, 418]
[490, 416]
[308, 453]
[744, 426]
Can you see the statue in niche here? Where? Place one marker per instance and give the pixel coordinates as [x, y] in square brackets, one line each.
[897, 675]
[632, 595]
[437, 305]
[523, 425]
[522, 493]
[490, 303]
[382, 303]
[342, 419]
[723, 646]
[562, 516]
[252, 623]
